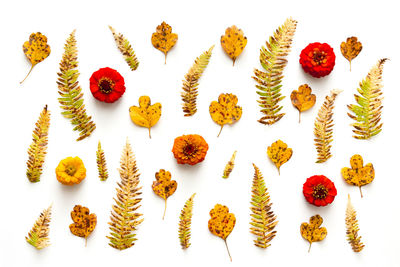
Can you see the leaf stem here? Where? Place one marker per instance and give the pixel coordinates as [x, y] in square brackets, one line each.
[360, 191]
[222, 126]
[309, 247]
[226, 245]
[299, 116]
[149, 133]
[165, 60]
[27, 75]
[165, 209]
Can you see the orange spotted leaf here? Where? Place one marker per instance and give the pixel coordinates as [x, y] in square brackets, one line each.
[164, 186]
[164, 39]
[359, 174]
[351, 48]
[303, 99]
[233, 42]
[279, 153]
[84, 222]
[225, 111]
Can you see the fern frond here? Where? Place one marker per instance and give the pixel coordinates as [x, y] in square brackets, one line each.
[273, 60]
[124, 216]
[367, 111]
[323, 128]
[191, 82]
[71, 96]
[38, 236]
[263, 219]
[38, 149]
[352, 228]
[229, 166]
[101, 163]
[126, 49]
[185, 221]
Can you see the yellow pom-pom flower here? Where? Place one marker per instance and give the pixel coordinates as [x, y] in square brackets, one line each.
[71, 171]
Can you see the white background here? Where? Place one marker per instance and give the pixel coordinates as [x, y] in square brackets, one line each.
[199, 25]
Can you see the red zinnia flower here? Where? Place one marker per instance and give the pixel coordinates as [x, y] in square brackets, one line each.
[107, 85]
[319, 190]
[317, 59]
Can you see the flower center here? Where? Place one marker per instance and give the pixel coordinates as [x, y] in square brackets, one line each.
[106, 85]
[319, 57]
[189, 150]
[320, 192]
[70, 170]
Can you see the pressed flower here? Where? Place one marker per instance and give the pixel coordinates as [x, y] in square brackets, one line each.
[107, 85]
[71, 171]
[319, 190]
[317, 59]
[190, 149]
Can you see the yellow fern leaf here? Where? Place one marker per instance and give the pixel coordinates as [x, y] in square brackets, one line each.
[101, 163]
[126, 49]
[185, 221]
[38, 149]
[191, 82]
[71, 96]
[38, 236]
[352, 228]
[229, 166]
[323, 128]
[124, 216]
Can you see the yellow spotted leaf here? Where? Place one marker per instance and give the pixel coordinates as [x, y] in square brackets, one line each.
[145, 115]
[36, 50]
[84, 222]
[351, 48]
[164, 39]
[279, 153]
[163, 186]
[233, 42]
[225, 110]
[313, 232]
[303, 99]
[358, 174]
[221, 223]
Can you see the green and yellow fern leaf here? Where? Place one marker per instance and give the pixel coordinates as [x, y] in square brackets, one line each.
[38, 236]
[38, 149]
[126, 49]
[101, 163]
[191, 82]
[323, 131]
[185, 221]
[367, 111]
[352, 228]
[273, 60]
[229, 166]
[124, 216]
[71, 96]
[263, 219]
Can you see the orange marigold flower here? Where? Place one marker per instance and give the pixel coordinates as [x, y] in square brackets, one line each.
[190, 149]
[71, 171]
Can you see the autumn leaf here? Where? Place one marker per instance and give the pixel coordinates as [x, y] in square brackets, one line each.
[38, 236]
[101, 163]
[164, 39]
[126, 49]
[84, 222]
[225, 110]
[279, 153]
[221, 223]
[229, 166]
[185, 222]
[164, 186]
[233, 42]
[303, 99]
[358, 174]
[352, 228]
[145, 115]
[313, 232]
[351, 48]
[36, 50]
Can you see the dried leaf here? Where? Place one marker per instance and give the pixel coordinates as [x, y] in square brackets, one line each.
[263, 219]
[36, 50]
[164, 186]
[146, 114]
[367, 111]
[323, 128]
[225, 110]
[38, 149]
[101, 163]
[351, 48]
[233, 42]
[126, 49]
[191, 82]
[358, 174]
[39, 235]
[352, 228]
[164, 39]
[124, 216]
[273, 60]
[185, 221]
[279, 153]
[312, 232]
[221, 223]
[229, 166]
[302, 98]
[71, 96]
[84, 222]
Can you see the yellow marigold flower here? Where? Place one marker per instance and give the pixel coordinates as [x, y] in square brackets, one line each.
[71, 171]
